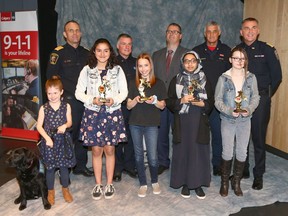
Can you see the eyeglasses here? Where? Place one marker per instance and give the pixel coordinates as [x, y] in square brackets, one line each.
[238, 59]
[187, 61]
[173, 32]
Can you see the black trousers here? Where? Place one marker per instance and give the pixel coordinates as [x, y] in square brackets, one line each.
[259, 124]
[124, 152]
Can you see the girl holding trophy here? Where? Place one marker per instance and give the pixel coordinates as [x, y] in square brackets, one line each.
[102, 87]
[236, 97]
[190, 99]
[146, 98]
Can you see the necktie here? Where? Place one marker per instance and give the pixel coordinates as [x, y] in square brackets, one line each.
[168, 60]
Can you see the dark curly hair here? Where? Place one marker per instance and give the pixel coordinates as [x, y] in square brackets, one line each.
[92, 61]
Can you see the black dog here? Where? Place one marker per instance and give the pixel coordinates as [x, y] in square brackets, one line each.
[31, 181]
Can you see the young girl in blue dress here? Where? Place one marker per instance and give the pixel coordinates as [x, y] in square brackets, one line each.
[53, 119]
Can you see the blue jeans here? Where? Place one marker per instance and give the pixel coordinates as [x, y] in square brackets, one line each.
[240, 130]
[150, 135]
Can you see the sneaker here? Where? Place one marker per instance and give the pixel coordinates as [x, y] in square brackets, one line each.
[97, 192]
[142, 191]
[156, 188]
[185, 192]
[200, 193]
[109, 191]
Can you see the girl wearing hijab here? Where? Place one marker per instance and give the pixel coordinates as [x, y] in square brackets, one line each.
[190, 98]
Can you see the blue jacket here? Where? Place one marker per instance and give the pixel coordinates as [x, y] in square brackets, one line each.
[225, 94]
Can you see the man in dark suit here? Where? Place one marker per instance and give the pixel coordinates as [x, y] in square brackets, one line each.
[166, 66]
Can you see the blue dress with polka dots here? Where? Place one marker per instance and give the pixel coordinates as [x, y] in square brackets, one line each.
[62, 153]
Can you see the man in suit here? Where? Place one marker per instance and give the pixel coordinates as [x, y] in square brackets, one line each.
[166, 66]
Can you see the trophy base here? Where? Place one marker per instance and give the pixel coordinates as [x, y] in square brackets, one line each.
[240, 111]
[144, 98]
[104, 100]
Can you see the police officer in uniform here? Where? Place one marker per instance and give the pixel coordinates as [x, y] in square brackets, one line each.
[264, 63]
[215, 60]
[124, 152]
[67, 61]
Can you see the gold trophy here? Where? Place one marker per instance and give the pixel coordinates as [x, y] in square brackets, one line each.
[238, 100]
[141, 88]
[102, 90]
[194, 85]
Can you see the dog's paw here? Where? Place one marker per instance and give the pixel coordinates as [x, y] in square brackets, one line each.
[17, 201]
[21, 207]
[47, 206]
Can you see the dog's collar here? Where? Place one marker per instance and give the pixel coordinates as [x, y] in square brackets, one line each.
[30, 164]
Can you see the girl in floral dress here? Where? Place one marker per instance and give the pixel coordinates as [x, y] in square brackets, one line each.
[53, 119]
[102, 87]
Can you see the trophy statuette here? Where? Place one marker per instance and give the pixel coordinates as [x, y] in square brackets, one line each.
[238, 100]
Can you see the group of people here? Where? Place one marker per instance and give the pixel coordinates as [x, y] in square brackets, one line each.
[114, 102]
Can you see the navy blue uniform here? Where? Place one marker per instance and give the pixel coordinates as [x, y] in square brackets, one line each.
[67, 62]
[263, 61]
[125, 158]
[214, 64]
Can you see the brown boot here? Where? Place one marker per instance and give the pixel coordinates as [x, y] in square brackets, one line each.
[238, 172]
[225, 173]
[51, 197]
[66, 194]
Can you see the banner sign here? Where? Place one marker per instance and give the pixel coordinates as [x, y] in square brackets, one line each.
[20, 78]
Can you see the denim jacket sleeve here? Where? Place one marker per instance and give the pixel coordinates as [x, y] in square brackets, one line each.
[81, 88]
[219, 97]
[121, 91]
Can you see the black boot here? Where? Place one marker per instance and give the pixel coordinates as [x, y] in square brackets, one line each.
[225, 173]
[238, 172]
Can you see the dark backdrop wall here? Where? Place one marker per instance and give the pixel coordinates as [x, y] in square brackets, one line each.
[147, 20]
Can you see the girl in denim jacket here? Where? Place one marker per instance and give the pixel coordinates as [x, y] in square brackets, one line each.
[102, 88]
[236, 97]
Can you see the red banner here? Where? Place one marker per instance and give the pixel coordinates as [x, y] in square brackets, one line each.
[19, 45]
[20, 77]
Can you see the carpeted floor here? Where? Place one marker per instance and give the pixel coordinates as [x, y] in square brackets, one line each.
[169, 202]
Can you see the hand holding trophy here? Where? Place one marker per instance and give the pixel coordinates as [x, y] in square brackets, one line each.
[102, 90]
[141, 88]
[238, 100]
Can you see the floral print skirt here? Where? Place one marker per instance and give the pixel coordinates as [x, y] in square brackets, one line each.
[102, 128]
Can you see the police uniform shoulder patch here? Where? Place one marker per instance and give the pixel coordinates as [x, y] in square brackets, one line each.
[59, 48]
[269, 44]
[54, 58]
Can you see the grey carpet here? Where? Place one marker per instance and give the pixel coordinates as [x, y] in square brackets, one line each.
[169, 202]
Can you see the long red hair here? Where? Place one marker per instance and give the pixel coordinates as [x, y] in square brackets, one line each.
[152, 77]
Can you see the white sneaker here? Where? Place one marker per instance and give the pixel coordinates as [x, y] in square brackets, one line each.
[156, 188]
[142, 191]
[109, 191]
[97, 192]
